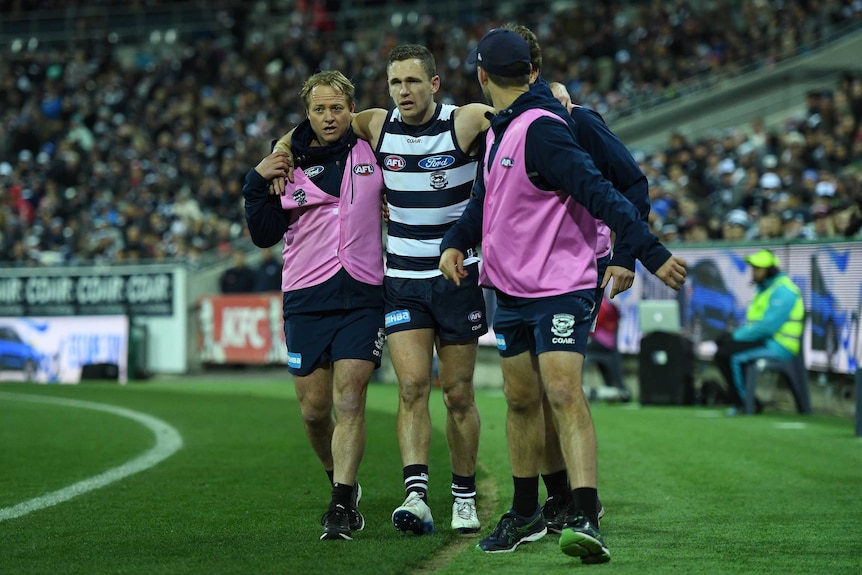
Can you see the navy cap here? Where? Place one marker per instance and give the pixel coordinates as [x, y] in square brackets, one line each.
[502, 52]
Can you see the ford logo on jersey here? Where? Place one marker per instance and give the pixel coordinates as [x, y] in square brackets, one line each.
[436, 162]
[312, 172]
[394, 163]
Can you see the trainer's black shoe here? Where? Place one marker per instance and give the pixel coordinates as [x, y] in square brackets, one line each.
[512, 530]
[555, 511]
[336, 523]
[580, 538]
[357, 521]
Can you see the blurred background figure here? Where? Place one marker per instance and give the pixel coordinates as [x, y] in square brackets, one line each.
[268, 273]
[239, 278]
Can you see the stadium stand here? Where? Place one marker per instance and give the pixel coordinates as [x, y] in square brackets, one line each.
[124, 135]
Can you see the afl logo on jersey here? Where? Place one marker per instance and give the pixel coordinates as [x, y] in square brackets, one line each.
[363, 169]
[394, 163]
[507, 162]
[312, 172]
[436, 162]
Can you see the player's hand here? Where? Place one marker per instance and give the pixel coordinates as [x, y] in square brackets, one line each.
[623, 279]
[384, 209]
[273, 167]
[283, 145]
[672, 273]
[452, 265]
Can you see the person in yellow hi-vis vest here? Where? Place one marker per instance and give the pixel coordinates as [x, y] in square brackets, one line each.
[773, 326]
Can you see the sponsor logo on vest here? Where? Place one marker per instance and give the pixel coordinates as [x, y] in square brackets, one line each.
[439, 180]
[394, 163]
[294, 360]
[299, 197]
[436, 162]
[507, 162]
[475, 316]
[414, 140]
[397, 317]
[313, 171]
[363, 169]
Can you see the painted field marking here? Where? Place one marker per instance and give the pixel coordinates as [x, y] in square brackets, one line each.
[168, 442]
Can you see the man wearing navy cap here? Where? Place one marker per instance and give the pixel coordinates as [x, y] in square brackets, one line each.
[773, 327]
[534, 209]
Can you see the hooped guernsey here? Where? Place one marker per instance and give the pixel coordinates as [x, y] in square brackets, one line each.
[428, 182]
[330, 223]
[530, 141]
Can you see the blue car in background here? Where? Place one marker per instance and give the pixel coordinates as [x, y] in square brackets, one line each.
[711, 308]
[16, 355]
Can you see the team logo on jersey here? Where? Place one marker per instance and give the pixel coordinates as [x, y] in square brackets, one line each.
[439, 180]
[475, 316]
[294, 360]
[363, 169]
[299, 197]
[436, 162]
[312, 172]
[507, 163]
[394, 163]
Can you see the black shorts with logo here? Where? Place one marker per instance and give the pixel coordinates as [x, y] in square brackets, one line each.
[455, 313]
[314, 339]
[558, 323]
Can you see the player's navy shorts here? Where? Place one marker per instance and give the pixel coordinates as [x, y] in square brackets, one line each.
[455, 313]
[558, 323]
[314, 339]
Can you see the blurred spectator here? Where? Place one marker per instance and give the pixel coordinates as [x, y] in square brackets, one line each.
[268, 274]
[792, 225]
[736, 225]
[821, 226]
[239, 278]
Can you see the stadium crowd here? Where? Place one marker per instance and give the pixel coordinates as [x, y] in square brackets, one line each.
[112, 153]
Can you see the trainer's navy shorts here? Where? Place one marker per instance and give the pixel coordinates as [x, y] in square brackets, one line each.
[314, 339]
[557, 323]
[455, 313]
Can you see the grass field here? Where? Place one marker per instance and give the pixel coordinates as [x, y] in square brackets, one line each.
[687, 490]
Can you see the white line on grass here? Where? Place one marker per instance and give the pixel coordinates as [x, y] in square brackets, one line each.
[168, 442]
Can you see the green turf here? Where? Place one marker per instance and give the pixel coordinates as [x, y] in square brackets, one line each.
[687, 490]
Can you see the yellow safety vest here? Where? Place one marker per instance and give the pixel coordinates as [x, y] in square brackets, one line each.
[789, 334]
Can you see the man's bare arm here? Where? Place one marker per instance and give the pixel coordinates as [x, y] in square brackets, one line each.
[470, 122]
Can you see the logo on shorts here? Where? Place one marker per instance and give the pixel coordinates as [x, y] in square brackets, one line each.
[562, 326]
[378, 343]
[294, 360]
[313, 171]
[475, 316]
[397, 317]
[501, 342]
[299, 197]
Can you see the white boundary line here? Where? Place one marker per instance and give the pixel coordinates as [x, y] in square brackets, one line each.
[168, 442]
